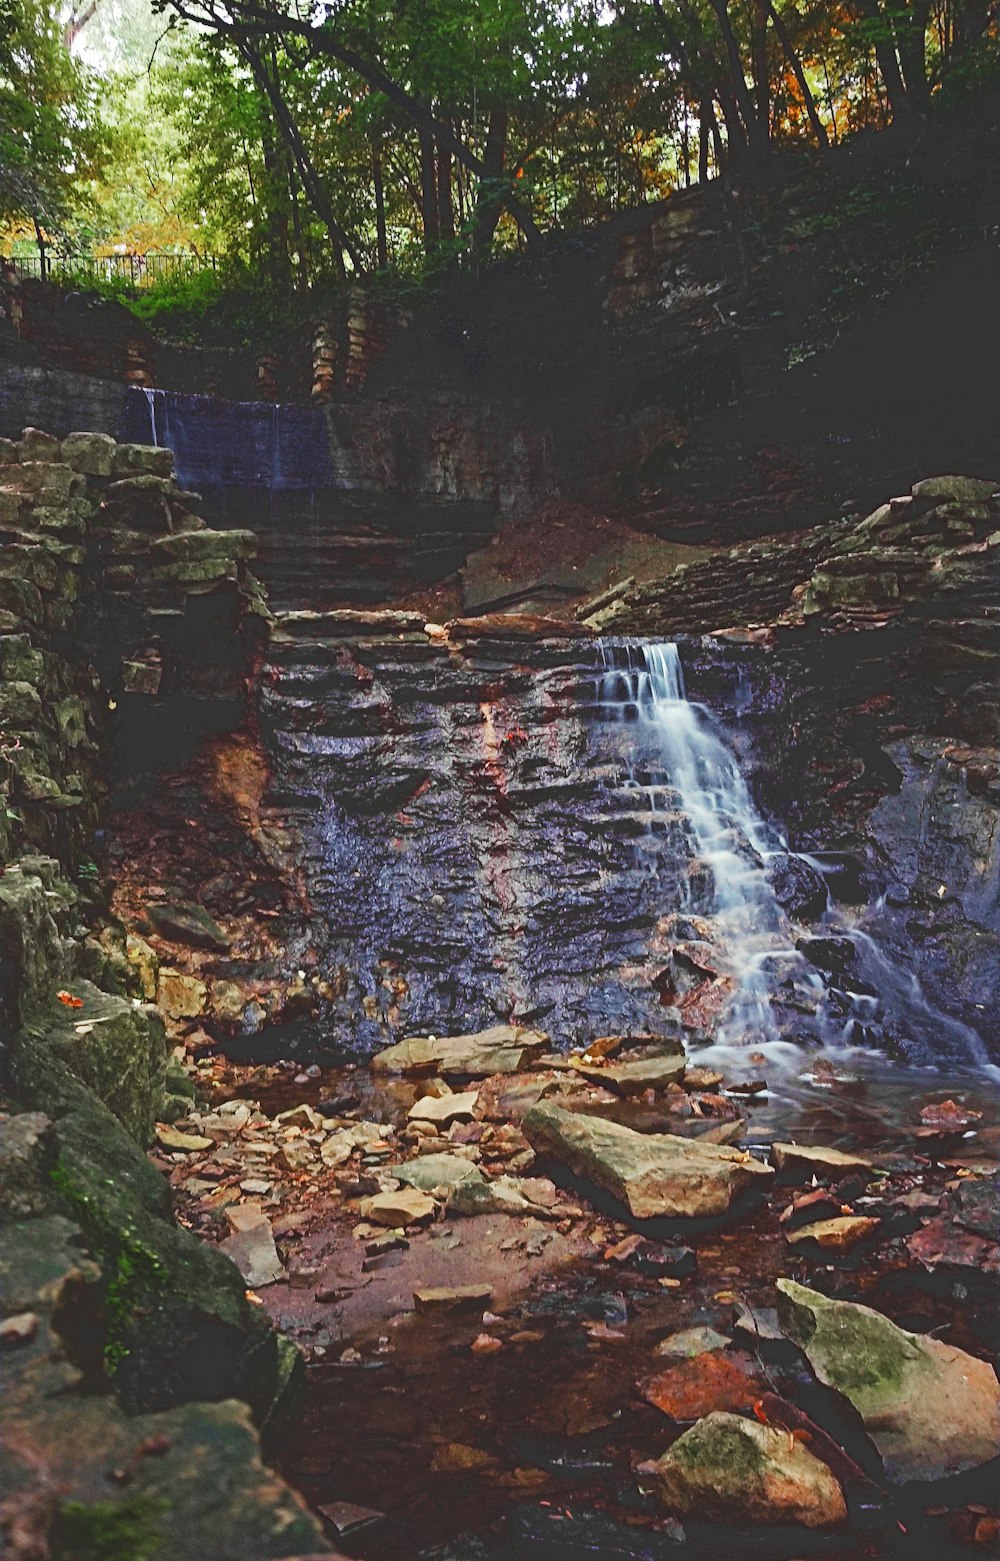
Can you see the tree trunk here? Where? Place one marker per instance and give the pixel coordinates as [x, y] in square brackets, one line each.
[706, 110]
[340, 240]
[784, 38]
[757, 137]
[277, 166]
[381, 237]
[42, 248]
[446, 209]
[489, 201]
[911, 46]
[885, 54]
[428, 191]
[761, 73]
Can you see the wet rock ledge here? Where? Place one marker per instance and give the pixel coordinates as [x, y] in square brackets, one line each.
[139, 1379]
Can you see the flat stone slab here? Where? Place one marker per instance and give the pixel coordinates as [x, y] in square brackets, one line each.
[444, 1109]
[451, 1298]
[835, 1235]
[814, 1160]
[931, 1409]
[502, 1049]
[634, 1078]
[686, 1343]
[253, 1251]
[653, 1174]
[733, 1470]
[409, 1206]
[428, 1171]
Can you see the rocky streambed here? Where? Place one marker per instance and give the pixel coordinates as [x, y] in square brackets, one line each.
[578, 1048]
[614, 1303]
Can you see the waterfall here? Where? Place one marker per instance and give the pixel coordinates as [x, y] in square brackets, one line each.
[698, 776]
[680, 763]
[150, 396]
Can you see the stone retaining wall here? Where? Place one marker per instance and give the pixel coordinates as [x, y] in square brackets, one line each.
[115, 597]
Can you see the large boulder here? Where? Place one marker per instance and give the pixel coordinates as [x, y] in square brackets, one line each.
[653, 1174]
[177, 1324]
[634, 1075]
[196, 1485]
[733, 1470]
[115, 1047]
[503, 1049]
[184, 922]
[92, 454]
[931, 1409]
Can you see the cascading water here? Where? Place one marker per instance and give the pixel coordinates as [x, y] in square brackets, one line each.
[679, 763]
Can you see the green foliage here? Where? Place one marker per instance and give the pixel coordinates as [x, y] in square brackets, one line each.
[301, 144]
[108, 1531]
[52, 138]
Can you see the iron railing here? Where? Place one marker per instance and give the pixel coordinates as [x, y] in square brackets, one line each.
[134, 270]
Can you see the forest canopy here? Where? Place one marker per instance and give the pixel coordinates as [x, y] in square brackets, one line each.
[307, 141]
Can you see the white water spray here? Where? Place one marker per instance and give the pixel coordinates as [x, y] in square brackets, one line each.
[703, 780]
[695, 773]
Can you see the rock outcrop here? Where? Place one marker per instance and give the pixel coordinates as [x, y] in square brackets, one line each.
[850, 573]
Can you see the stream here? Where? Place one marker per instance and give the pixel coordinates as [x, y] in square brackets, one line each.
[564, 838]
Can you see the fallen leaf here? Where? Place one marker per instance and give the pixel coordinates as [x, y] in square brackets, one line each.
[948, 1115]
[705, 1383]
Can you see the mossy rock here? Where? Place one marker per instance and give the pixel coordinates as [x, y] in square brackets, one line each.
[20, 706]
[34, 958]
[188, 547]
[931, 1409]
[20, 597]
[196, 573]
[93, 454]
[732, 1470]
[959, 489]
[21, 662]
[858, 590]
[144, 458]
[116, 1049]
[178, 1325]
[205, 1496]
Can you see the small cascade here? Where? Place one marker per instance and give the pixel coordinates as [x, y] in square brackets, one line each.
[679, 764]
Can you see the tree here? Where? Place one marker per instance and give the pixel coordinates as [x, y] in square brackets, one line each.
[51, 135]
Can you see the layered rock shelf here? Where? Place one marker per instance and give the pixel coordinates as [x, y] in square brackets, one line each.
[244, 852]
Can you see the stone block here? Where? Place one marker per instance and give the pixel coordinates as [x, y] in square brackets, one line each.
[10, 506]
[27, 1155]
[20, 707]
[49, 479]
[144, 458]
[195, 574]
[179, 995]
[189, 547]
[93, 454]
[960, 489]
[37, 445]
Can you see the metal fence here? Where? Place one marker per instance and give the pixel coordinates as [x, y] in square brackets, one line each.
[133, 270]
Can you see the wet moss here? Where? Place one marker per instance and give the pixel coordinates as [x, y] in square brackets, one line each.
[715, 1444]
[857, 1351]
[108, 1531]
